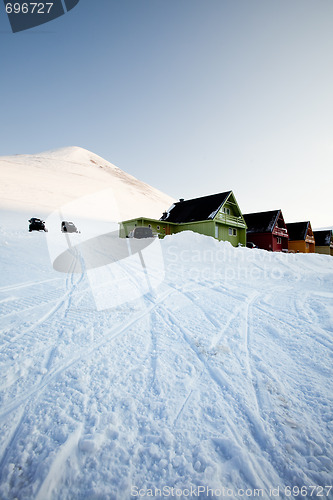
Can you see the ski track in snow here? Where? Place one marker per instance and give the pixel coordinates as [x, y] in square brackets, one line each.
[28, 284]
[201, 382]
[224, 385]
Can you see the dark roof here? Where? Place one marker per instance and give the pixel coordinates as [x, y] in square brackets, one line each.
[195, 210]
[323, 238]
[261, 222]
[297, 230]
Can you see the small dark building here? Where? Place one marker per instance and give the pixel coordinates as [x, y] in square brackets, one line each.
[267, 230]
[324, 241]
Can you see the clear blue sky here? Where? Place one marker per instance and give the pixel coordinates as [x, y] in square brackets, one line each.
[192, 96]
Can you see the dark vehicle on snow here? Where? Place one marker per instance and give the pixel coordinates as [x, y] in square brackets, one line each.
[36, 225]
[141, 232]
[68, 227]
[249, 244]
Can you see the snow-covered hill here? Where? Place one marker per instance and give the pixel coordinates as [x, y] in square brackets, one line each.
[45, 182]
[218, 379]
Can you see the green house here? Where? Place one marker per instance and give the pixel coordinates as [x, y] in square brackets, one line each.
[217, 215]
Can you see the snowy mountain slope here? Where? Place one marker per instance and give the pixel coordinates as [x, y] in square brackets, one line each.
[219, 378]
[45, 182]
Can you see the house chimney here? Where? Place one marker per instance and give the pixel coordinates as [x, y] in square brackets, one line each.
[181, 199]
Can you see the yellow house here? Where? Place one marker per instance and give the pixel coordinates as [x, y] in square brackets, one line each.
[301, 237]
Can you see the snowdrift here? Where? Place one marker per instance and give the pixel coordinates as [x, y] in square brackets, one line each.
[216, 383]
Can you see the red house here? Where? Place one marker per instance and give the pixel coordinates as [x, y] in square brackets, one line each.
[267, 230]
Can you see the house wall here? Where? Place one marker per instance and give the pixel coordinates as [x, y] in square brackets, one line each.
[242, 237]
[233, 220]
[231, 207]
[324, 250]
[268, 241]
[161, 228]
[125, 228]
[204, 227]
[262, 240]
[278, 247]
[301, 246]
[310, 244]
[311, 247]
[223, 234]
[297, 246]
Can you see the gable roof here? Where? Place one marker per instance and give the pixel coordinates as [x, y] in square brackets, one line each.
[298, 230]
[197, 209]
[261, 222]
[323, 238]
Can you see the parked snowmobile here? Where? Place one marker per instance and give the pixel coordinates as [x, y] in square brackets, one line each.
[68, 227]
[36, 225]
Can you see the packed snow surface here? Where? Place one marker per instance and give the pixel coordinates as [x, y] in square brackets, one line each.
[217, 381]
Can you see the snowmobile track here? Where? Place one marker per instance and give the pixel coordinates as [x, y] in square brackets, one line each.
[74, 358]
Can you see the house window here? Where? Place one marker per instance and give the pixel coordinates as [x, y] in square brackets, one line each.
[158, 227]
[278, 240]
[149, 225]
[216, 231]
[226, 210]
[232, 231]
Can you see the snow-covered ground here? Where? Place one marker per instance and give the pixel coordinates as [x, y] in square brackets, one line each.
[220, 377]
